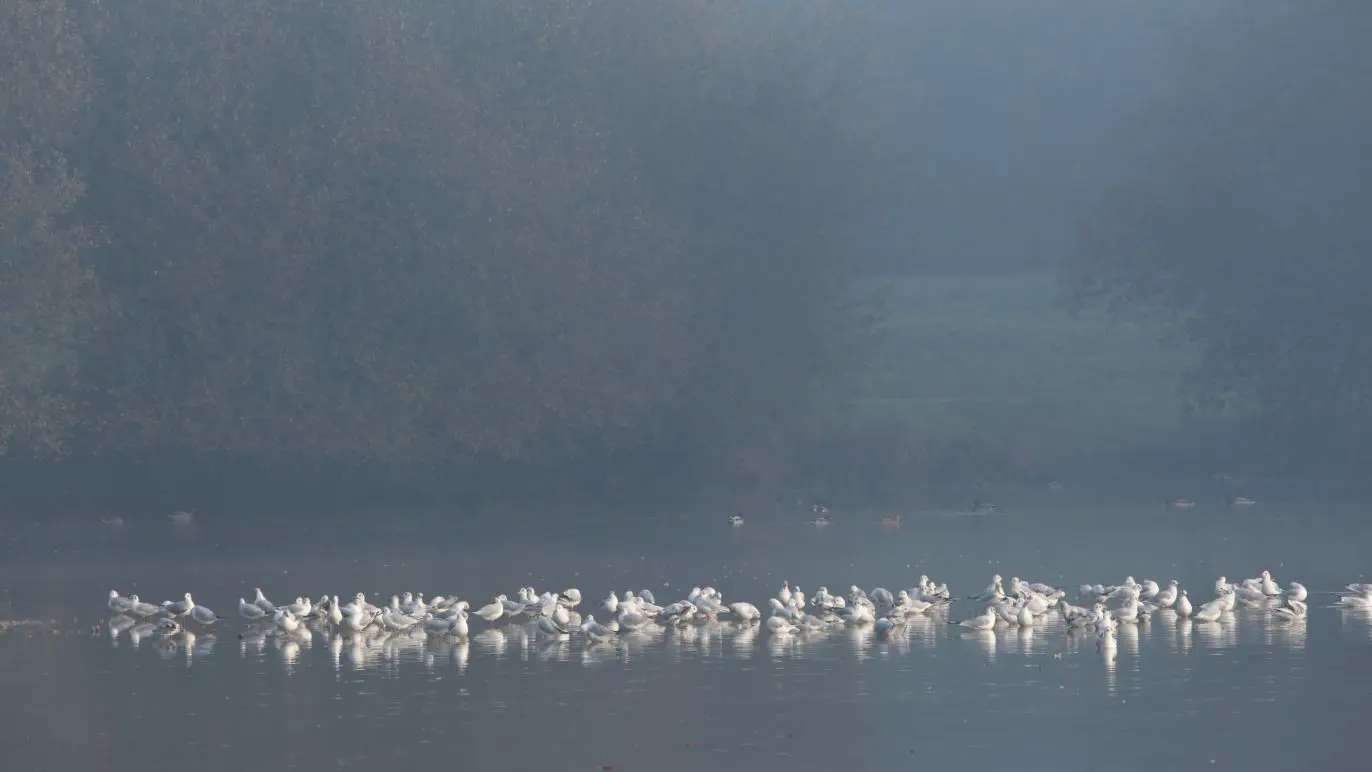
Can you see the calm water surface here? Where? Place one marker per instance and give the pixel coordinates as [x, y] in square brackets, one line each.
[1258, 693]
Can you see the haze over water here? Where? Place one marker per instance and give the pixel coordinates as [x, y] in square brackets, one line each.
[1256, 693]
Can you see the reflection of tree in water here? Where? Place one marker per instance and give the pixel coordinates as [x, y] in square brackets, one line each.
[53, 716]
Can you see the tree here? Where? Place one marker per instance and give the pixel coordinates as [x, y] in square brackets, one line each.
[410, 234]
[49, 300]
[408, 259]
[1245, 221]
[752, 138]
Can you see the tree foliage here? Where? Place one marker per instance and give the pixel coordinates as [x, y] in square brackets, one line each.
[49, 300]
[1245, 220]
[412, 233]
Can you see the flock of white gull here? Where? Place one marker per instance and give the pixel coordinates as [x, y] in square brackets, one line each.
[792, 613]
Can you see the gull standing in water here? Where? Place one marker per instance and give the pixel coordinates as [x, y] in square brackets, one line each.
[550, 629]
[262, 602]
[179, 608]
[1210, 612]
[1183, 605]
[986, 621]
[993, 591]
[117, 604]
[435, 626]
[1249, 593]
[140, 609]
[286, 621]
[493, 610]
[1360, 600]
[1222, 586]
[359, 619]
[1167, 596]
[1150, 590]
[1269, 588]
[887, 626]
[201, 614]
[1291, 609]
[250, 611]
[779, 625]
[335, 614]
[459, 626]
[596, 632]
[745, 612]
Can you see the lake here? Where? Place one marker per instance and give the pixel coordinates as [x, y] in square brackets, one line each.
[1256, 693]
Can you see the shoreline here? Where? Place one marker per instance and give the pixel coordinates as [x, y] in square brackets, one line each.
[138, 492]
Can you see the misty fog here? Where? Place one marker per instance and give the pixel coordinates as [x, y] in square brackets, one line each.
[339, 252]
[656, 384]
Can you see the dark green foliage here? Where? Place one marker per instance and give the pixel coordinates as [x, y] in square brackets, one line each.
[414, 234]
[1246, 223]
[49, 300]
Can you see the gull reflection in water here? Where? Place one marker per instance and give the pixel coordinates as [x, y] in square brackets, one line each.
[202, 646]
[599, 653]
[1108, 650]
[985, 639]
[860, 640]
[359, 651]
[1164, 626]
[556, 649]
[1356, 623]
[118, 625]
[166, 648]
[1289, 633]
[492, 641]
[462, 655]
[634, 644]
[706, 635]
[808, 640]
[744, 642]
[1185, 627]
[678, 639]
[784, 644]
[182, 642]
[252, 643]
[897, 642]
[289, 650]
[1222, 634]
[924, 631]
[140, 631]
[1127, 637]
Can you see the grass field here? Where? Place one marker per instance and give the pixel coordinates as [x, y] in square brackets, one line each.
[993, 360]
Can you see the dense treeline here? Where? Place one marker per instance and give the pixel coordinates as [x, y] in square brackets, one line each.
[48, 299]
[1246, 222]
[422, 234]
[548, 239]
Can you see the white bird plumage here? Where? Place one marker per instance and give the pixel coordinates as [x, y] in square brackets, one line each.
[1114, 613]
